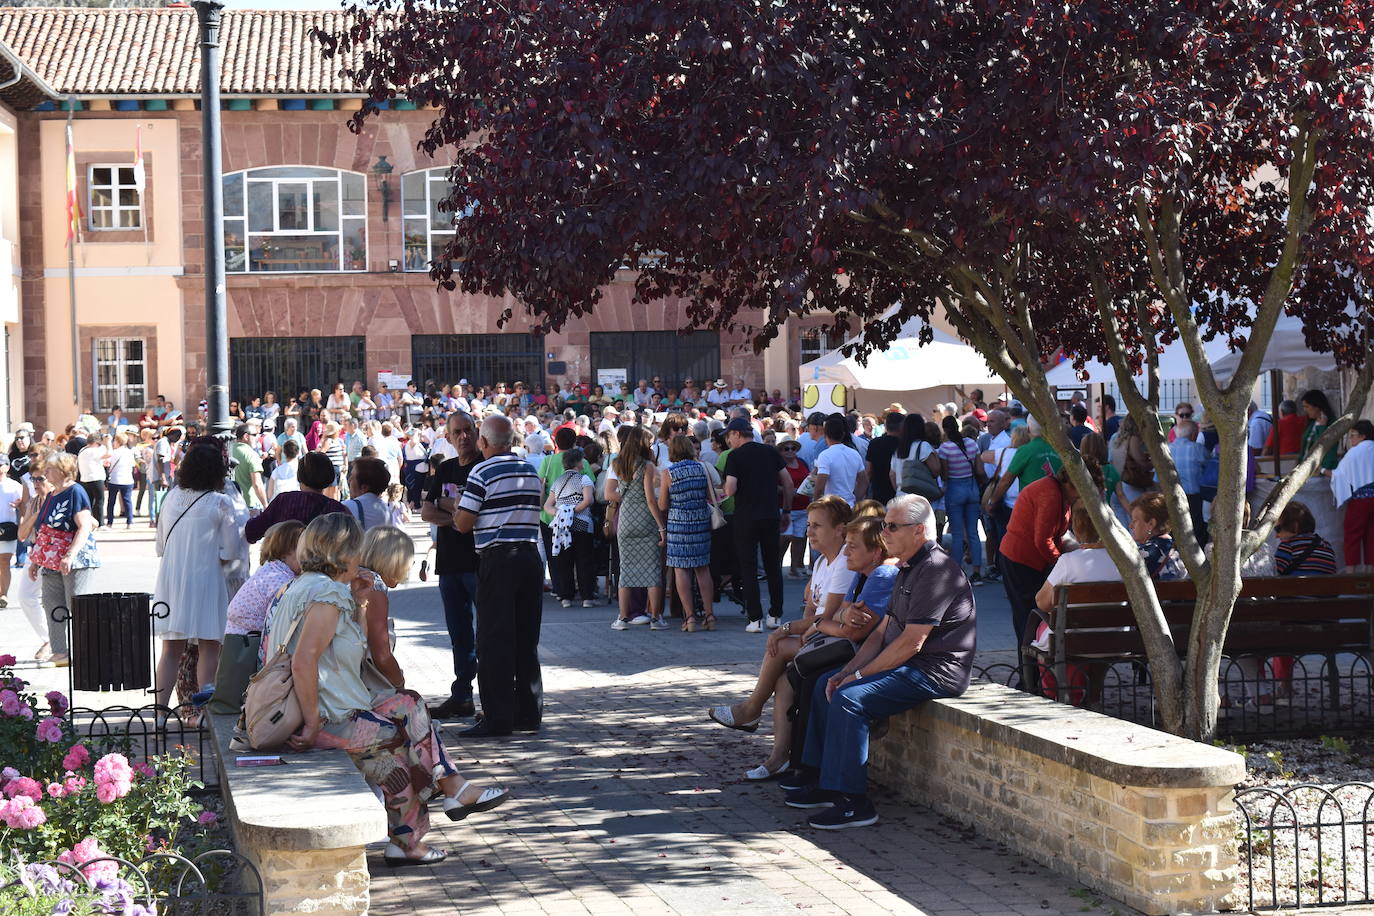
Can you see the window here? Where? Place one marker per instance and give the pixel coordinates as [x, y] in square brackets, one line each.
[113, 198]
[815, 343]
[120, 372]
[295, 219]
[427, 228]
[290, 365]
[671, 356]
[482, 359]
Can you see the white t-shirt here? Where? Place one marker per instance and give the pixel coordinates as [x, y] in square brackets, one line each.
[90, 463]
[10, 490]
[741, 394]
[997, 443]
[842, 465]
[284, 477]
[830, 578]
[1082, 565]
[1009, 499]
[122, 466]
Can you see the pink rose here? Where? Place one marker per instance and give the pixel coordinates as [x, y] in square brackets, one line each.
[57, 702]
[23, 814]
[145, 770]
[207, 818]
[84, 852]
[7, 661]
[8, 773]
[25, 787]
[50, 730]
[55, 790]
[26, 713]
[113, 768]
[106, 792]
[10, 704]
[74, 784]
[77, 757]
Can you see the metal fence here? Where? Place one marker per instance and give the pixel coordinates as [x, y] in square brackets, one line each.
[214, 883]
[1306, 845]
[145, 732]
[290, 365]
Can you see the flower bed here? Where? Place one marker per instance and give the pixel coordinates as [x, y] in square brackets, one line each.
[79, 803]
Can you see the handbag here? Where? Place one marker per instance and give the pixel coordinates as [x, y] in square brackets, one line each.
[9, 531]
[917, 478]
[990, 504]
[271, 711]
[821, 653]
[1137, 473]
[717, 516]
[580, 525]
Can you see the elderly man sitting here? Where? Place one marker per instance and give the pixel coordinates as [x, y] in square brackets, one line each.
[923, 651]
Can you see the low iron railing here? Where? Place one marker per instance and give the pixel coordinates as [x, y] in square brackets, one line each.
[214, 883]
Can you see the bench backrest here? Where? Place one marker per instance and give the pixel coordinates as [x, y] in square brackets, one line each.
[1295, 613]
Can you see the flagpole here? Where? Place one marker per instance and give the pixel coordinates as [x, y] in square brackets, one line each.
[71, 273]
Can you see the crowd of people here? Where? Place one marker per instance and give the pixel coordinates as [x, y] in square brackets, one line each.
[660, 501]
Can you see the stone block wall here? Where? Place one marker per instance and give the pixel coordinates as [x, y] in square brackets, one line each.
[1157, 833]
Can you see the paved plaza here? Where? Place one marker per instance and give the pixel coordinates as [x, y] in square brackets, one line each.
[631, 801]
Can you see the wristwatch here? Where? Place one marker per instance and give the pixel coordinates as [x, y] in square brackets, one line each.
[858, 674]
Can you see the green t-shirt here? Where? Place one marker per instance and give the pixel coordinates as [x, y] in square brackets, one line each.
[248, 464]
[1028, 465]
[1310, 435]
[727, 506]
[549, 472]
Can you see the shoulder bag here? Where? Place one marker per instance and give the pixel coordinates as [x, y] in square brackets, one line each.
[1136, 472]
[717, 516]
[271, 711]
[917, 478]
[990, 504]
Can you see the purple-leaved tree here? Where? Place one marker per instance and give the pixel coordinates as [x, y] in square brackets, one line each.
[1106, 177]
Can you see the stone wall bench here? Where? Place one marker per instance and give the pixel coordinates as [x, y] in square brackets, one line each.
[1138, 814]
[303, 825]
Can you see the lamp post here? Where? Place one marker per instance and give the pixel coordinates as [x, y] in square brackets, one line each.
[381, 175]
[216, 316]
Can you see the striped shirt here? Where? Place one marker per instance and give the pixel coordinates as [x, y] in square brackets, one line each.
[505, 494]
[1305, 555]
[959, 458]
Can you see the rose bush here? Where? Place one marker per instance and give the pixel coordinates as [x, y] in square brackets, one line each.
[44, 890]
[64, 800]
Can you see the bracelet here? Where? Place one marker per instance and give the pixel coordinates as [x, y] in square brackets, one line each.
[858, 674]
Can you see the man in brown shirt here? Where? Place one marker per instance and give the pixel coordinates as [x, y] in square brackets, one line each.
[923, 650]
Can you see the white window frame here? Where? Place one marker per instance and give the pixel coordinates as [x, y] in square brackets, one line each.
[822, 346]
[114, 208]
[435, 239]
[122, 363]
[236, 222]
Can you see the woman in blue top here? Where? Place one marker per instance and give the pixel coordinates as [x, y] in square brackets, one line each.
[685, 494]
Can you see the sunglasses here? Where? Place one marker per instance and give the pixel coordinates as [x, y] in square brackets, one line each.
[789, 448]
[1185, 416]
[893, 526]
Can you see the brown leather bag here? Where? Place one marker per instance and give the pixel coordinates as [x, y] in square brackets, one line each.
[271, 711]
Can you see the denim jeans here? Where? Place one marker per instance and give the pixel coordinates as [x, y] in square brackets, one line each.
[837, 733]
[963, 510]
[120, 491]
[458, 592]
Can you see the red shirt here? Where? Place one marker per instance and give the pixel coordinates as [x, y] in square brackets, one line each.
[1038, 520]
[1290, 429]
[798, 474]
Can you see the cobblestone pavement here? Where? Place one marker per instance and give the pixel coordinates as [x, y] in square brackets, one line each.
[631, 801]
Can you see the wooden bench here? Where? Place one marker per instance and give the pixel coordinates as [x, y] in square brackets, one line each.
[303, 825]
[1092, 623]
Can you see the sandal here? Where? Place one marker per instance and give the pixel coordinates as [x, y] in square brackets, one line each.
[722, 715]
[396, 857]
[689, 624]
[761, 773]
[490, 798]
[710, 622]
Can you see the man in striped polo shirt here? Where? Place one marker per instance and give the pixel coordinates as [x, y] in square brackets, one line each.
[500, 507]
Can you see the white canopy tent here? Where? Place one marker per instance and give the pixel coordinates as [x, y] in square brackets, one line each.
[906, 371]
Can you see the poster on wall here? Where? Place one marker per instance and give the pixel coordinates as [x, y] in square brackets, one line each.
[393, 380]
[827, 397]
[612, 379]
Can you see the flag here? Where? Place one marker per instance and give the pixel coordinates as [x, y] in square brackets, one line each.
[73, 205]
[138, 162]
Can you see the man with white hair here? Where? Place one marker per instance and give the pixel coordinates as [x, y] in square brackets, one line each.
[1189, 457]
[500, 506]
[1036, 459]
[923, 650]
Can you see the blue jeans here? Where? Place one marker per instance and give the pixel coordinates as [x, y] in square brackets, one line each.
[962, 510]
[837, 733]
[458, 593]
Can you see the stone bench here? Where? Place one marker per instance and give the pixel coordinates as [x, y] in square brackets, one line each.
[1139, 814]
[303, 825]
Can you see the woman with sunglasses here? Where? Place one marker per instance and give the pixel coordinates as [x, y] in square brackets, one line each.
[794, 536]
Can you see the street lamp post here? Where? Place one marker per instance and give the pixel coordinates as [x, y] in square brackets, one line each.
[216, 317]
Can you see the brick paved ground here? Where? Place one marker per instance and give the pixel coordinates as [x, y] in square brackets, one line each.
[631, 801]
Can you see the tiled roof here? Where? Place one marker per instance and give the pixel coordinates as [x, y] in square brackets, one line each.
[157, 51]
[19, 86]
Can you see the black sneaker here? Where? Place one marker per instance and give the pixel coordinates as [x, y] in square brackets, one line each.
[810, 797]
[847, 812]
[453, 708]
[798, 778]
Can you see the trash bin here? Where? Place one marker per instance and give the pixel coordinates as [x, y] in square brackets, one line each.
[111, 641]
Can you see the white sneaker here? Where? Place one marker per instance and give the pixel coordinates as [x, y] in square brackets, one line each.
[565, 602]
[755, 626]
[658, 623]
[589, 603]
[620, 624]
[640, 620]
[773, 622]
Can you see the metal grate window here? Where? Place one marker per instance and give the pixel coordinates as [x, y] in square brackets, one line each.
[120, 373]
[289, 365]
[815, 343]
[482, 359]
[672, 356]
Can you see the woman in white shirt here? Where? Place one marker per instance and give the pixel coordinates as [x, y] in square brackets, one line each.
[338, 404]
[283, 477]
[90, 468]
[121, 482]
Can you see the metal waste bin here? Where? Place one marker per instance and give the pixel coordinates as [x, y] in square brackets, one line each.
[111, 640]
